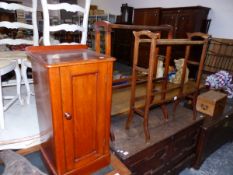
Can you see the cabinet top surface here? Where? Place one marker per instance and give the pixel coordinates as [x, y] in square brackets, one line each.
[212, 96]
[188, 7]
[53, 56]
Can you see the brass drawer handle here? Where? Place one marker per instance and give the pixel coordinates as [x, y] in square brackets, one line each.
[204, 107]
[68, 116]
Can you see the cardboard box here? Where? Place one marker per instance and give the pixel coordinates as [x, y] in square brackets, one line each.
[211, 103]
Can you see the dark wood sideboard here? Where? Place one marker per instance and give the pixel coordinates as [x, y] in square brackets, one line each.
[172, 146]
[73, 97]
[169, 156]
[183, 20]
[215, 132]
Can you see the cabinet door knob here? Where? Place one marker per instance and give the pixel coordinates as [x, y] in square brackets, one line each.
[68, 116]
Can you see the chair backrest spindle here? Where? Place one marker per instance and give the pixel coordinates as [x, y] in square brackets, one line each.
[20, 25]
[48, 28]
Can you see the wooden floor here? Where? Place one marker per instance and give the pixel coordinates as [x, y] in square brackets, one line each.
[129, 142]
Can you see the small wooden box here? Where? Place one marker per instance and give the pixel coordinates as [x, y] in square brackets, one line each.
[211, 103]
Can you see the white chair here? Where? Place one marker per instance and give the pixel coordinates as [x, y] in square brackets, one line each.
[33, 41]
[9, 60]
[7, 66]
[48, 28]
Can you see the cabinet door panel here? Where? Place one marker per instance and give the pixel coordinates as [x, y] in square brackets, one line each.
[84, 123]
[149, 17]
[83, 89]
[168, 17]
[185, 23]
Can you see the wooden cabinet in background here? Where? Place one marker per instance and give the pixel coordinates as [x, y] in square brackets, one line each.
[73, 97]
[122, 45]
[147, 16]
[185, 19]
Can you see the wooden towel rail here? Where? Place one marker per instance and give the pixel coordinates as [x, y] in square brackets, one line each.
[165, 89]
[157, 91]
[107, 27]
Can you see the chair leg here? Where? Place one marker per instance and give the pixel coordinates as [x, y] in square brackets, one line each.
[25, 79]
[130, 117]
[175, 104]
[18, 83]
[194, 101]
[165, 112]
[112, 135]
[2, 124]
[146, 129]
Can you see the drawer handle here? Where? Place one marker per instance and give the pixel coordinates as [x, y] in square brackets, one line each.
[204, 107]
[68, 116]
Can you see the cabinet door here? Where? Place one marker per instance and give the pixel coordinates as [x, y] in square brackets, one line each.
[122, 45]
[149, 17]
[169, 17]
[185, 23]
[86, 124]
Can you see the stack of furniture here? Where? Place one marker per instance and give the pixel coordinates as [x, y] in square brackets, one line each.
[183, 20]
[216, 130]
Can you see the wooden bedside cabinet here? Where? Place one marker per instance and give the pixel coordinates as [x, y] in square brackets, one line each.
[73, 97]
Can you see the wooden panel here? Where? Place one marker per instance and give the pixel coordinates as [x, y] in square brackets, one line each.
[185, 23]
[168, 17]
[123, 45]
[43, 102]
[152, 159]
[80, 110]
[149, 17]
[78, 99]
[185, 19]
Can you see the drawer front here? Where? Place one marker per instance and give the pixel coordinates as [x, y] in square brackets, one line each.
[211, 103]
[186, 162]
[184, 143]
[150, 160]
[218, 134]
[205, 107]
[168, 154]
